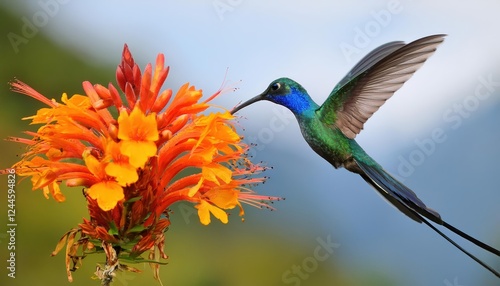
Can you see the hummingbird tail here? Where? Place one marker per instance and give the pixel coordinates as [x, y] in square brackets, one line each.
[472, 239]
[479, 261]
[396, 193]
[407, 202]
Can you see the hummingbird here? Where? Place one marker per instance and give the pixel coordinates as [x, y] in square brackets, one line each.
[330, 129]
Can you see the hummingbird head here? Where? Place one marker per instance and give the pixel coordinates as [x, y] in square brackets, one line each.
[283, 91]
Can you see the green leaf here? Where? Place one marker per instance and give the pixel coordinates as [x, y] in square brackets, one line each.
[137, 228]
[113, 230]
[130, 259]
[135, 199]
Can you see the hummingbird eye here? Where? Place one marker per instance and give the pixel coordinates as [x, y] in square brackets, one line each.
[275, 86]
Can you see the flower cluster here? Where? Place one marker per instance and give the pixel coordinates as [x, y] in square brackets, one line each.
[136, 150]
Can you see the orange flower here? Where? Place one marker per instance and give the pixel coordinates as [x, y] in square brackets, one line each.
[138, 134]
[130, 166]
[107, 192]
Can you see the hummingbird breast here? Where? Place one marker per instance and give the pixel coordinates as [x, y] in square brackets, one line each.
[328, 142]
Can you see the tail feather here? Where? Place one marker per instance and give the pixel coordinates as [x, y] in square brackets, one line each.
[397, 193]
[472, 239]
[486, 266]
[407, 202]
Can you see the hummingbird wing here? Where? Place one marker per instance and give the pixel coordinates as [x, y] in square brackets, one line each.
[372, 81]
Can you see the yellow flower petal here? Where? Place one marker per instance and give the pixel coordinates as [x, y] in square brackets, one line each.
[193, 190]
[137, 126]
[95, 167]
[125, 174]
[214, 171]
[138, 133]
[107, 194]
[206, 153]
[225, 198]
[56, 192]
[204, 210]
[76, 100]
[138, 152]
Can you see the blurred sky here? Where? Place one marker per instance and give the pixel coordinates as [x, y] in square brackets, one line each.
[316, 43]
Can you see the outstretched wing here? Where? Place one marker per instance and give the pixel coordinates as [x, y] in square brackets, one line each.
[374, 80]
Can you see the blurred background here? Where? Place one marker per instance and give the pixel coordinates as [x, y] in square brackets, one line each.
[439, 134]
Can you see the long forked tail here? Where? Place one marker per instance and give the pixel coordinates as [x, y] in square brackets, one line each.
[407, 202]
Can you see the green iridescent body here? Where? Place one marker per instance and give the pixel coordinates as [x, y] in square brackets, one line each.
[330, 143]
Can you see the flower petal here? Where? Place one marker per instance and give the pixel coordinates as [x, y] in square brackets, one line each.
[55, 191]
[138, 151]
[194, 189]
[204, 210]
[136, 126]
[223, 198]
[107, 194]
[125, 174]
[214, 171]
[95, 167]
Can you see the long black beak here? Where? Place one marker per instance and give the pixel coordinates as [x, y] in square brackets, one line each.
[247, 103]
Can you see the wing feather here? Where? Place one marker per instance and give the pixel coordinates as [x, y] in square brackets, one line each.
[374, 80]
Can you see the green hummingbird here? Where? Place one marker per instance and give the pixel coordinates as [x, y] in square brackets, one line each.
[330, 129]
